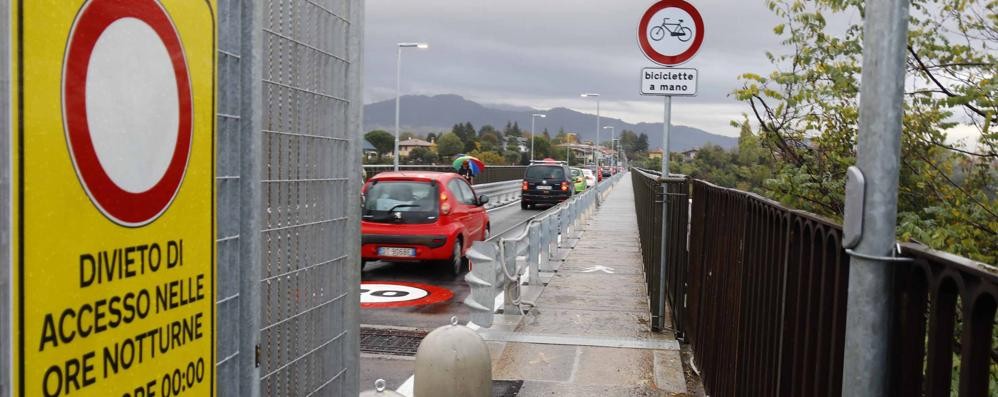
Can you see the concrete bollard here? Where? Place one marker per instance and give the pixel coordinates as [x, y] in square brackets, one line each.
[380, 391]
[453, 360]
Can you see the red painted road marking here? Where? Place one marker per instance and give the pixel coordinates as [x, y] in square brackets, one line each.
[382, 295]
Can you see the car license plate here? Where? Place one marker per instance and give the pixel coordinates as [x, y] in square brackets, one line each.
[544, 188]
[397, 252]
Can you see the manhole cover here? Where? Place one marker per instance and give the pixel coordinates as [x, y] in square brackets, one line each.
[397, 342]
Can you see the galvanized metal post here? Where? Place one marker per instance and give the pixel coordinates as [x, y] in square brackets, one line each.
[663, 279]
[355, 123]
[6, 168]
[533, 252]
[250, 203]
[866, 362]
[508, 261]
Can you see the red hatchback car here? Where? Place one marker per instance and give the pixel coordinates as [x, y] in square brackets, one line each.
[421, 216]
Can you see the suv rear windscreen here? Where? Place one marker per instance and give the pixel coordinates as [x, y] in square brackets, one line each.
[401, 202]
[545, 172]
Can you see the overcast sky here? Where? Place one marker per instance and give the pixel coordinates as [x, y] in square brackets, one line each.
[544, 53]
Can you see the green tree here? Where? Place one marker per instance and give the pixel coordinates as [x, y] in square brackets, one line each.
[422, 156]
[512, 129]
[808, 111]
[488, 157]
[489, 141]
[512, 144]
[641, 143]
[382, 141]
[449, 145]
[628, 141]
[511, 158]
[486, 129]
[431, 137]
[542, 148]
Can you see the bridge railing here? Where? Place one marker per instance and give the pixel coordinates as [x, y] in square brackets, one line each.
[668, 284]
[491, 174]
[763, 302]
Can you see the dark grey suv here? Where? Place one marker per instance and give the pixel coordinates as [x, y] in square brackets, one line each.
[546, 182]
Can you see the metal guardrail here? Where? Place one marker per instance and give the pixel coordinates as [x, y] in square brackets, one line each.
[671, 278]
[500, 264]
[492, 173]
[500, 193]
[765, 305]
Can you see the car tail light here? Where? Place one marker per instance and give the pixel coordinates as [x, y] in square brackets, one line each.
[564, 186]
[444, 205]
[525, 185]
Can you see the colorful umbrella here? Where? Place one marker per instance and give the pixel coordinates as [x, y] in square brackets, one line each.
[475, 164]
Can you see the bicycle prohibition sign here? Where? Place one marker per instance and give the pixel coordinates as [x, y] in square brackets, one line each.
[670, 32]
[677, 30]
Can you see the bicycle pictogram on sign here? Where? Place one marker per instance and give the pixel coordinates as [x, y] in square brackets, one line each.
[677, 30]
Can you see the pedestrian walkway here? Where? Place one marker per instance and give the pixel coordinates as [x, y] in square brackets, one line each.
[589, 334]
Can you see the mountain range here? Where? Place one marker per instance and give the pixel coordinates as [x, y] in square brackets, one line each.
[423, 114]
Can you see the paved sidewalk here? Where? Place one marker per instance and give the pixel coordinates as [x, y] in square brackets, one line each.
[589, 334]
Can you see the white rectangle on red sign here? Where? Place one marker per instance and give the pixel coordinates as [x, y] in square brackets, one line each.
[668, 81]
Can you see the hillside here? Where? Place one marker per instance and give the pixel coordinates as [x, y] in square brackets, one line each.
[437, 113]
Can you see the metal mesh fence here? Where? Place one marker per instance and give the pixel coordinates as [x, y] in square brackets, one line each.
[230, 170]
[309, 171]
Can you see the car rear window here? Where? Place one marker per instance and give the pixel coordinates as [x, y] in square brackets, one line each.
[401, 202]
[545, 172]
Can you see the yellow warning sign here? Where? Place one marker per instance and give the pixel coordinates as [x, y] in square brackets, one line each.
[114, 225]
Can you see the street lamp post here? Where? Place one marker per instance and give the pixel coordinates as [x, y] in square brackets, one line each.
[594, 95]
[398, 77]
[612, 136]
[533, 132]
[616, 153]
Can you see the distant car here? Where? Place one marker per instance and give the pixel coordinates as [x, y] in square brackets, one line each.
[579, 179]
[606, 172]
[546, 182]
[421, 216]
[590, 177]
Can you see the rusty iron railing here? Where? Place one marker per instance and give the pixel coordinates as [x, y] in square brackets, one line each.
[766, 293]
[945, 311]
[767, 296]
[494, 173]
[648, 195]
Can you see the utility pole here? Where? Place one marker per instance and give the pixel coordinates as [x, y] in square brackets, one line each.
[870, 235]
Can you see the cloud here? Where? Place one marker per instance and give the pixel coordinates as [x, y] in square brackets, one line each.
[542, 54]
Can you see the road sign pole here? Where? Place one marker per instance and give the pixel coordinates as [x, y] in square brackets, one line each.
[662, 279]
[868, 315]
